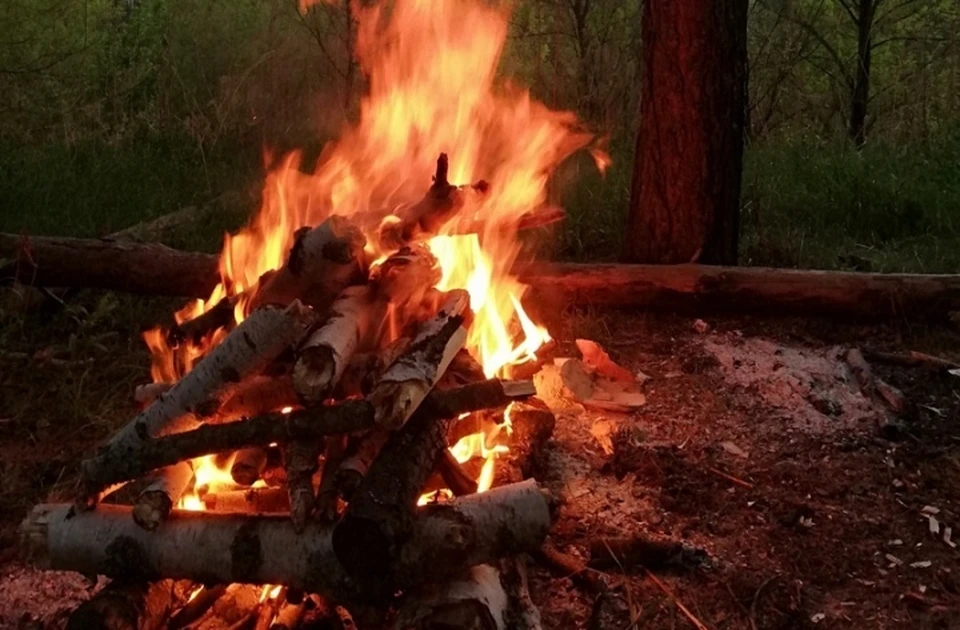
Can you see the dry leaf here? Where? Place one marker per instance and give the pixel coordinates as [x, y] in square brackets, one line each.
[597, 358]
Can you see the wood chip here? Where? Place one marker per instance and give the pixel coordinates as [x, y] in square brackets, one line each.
[733, 449]
[597, 358]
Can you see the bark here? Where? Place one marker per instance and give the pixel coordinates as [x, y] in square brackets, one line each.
[266, 550]
[533, 424]
[247, 466]
[300, 460]
[685, 198]
[199, 395]
[401, 388]
[148, 269]
[131, 605]
[248, 501]
[708, 289]
[161, 494]
[322, 263]
[324, 357]
[475, 600]
[260, 394]
[145, 394]
[120, 465]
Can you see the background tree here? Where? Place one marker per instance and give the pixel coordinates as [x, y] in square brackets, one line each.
[685, 199]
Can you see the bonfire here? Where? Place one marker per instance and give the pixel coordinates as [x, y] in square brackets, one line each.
[333, 424]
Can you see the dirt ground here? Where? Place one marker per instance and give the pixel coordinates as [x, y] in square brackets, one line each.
[809, 512]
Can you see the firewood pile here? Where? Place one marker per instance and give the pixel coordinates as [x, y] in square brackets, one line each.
[330, 410]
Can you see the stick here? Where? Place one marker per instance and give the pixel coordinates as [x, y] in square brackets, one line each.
[407, 381]
[197, 397]
[699, 625]
[134, 604]
[266, 550]
[326, 353]
[115, 466]
[912, 359]
[566, 566]
[607, 553]
[454, 475]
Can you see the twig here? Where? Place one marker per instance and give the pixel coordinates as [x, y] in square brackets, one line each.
[731, 478]
[699, 625]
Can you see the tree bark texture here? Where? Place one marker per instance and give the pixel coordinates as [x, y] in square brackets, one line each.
[685, 199]
[148, 269]
[708, 289]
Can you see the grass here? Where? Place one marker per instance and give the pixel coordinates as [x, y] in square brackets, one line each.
[805, 203]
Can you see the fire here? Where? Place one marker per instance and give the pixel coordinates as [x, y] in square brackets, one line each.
[431, 69]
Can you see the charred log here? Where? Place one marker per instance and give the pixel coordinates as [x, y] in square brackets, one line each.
[300, 459]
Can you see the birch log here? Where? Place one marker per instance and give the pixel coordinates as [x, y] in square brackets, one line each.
[164, 489]
[322, 262]
[355, 465]
[326, 353]
[119, 465]
[197, 397]
[403, 386]
[247, 466]
[406, 275]
[266, 550]
[475, 600]
[248, 500]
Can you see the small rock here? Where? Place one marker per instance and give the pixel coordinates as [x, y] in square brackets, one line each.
[817, 618]
[923, 564]
[701, 326]
[929, 509]
[893, 560]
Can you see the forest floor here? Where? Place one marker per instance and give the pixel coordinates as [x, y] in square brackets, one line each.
[752, 447]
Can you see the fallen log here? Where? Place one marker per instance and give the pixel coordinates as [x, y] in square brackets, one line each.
[401, 388]
[266, 550]
[118, 465]
[325, 354]
[131, 605]
[704, 288]
[147, 269]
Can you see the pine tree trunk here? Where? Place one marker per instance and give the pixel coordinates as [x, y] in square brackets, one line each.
[861, 85]
[685, 199]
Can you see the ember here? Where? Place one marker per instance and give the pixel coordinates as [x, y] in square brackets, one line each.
[328, 378]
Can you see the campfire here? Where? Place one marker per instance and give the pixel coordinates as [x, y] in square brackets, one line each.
[335, 424]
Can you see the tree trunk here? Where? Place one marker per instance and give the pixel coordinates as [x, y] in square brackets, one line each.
[861, 82]
[685, 199]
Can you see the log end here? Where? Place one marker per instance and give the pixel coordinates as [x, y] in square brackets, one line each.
[152, 508]
[34, 535]
[314, 374]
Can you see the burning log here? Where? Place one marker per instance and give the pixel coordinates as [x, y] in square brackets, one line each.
[247, 501]
[325, 355]
[257, 395]
[113, 466]
[266, 550]
[300, 460]
[222, 315]
[475, 600]
[533, 424]
[323, 262]
[427, 215]
[407, 275]
[404, 384]
[268, 609]
[289, 615]
[145, 394]
[131, 605]
[166, 487]
[248, 465]
[252, 346]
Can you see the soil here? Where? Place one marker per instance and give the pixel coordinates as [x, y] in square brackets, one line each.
[811, 507]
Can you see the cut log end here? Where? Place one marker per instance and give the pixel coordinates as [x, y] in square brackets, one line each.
[314, 374]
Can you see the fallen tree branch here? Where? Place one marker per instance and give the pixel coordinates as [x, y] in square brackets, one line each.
[119, 465]
[266, 549]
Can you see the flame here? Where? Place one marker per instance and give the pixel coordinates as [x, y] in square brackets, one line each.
[209, 475]
[475, 445]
